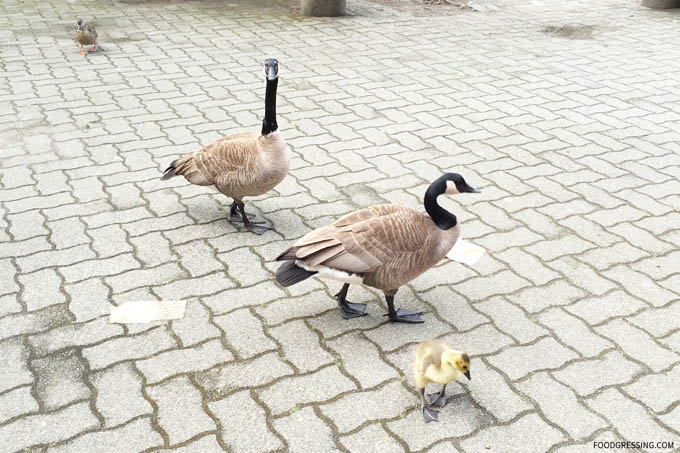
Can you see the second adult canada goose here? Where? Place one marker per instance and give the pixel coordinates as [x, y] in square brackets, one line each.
[243, 164]
[384, 246]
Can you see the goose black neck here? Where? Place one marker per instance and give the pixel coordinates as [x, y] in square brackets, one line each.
[441, 217]
[269, 124]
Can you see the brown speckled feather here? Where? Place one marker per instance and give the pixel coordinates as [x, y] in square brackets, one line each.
[243, 164]
[87, 36]
[388, 244]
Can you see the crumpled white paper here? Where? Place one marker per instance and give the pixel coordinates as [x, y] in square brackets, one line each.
[465, 252]
[143, 311]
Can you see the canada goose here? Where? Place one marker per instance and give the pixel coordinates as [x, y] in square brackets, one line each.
[86, 35]
[243, 164]
[433, 361]
[383, 246]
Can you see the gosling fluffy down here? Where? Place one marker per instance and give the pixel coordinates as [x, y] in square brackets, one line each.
[435, 362]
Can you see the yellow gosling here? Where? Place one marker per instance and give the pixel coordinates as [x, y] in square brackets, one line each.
[435, 362]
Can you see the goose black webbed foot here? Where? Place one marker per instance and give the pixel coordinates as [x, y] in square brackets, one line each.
[430, 415]
[253, 226]
[349, 310]
[235, 214]
[401, 315]
[405, 316]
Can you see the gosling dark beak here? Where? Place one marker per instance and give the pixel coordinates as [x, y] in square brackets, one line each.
[467, 375]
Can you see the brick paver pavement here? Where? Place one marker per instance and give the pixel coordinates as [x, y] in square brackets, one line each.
[566, 114]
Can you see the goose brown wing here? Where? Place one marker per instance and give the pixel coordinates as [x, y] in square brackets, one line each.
[227, 155]
[364, 240]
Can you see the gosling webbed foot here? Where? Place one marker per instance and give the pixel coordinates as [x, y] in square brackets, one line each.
[405, 316]
[430, 415]
[437, 399]
[349, 310]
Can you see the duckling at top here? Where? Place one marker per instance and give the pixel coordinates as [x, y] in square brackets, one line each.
[86, 35]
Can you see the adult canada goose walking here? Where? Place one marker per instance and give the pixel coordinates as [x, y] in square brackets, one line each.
[243, 164]
[384, 246]
[86, 35]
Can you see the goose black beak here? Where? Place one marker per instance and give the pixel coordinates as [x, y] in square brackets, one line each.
[473, 190]
[467, 375]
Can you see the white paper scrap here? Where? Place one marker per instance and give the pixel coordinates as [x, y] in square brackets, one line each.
[465, 252]
[143, 311]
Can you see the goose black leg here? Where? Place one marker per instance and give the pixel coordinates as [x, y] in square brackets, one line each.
[401, 315]
[254, 227]
[429, 414]
[348, 310]
[438, 399]
[235, 214]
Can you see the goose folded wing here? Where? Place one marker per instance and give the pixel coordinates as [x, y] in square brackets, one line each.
[364, 240]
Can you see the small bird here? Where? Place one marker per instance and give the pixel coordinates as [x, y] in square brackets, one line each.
[384, 246]
[86, 35]
[243, 164]
[435, 362]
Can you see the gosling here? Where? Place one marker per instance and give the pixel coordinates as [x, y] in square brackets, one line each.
[435, 362]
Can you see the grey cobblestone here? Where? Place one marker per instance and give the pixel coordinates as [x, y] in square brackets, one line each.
[517, 361]
[59, 379]
[304, 431]
[126, 348]
[138, 435]
[589, 376]
[243, 426]
[119, 394]
[179, 409]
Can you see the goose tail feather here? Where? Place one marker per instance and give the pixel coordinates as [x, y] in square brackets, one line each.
[290, 273]
[169, 173]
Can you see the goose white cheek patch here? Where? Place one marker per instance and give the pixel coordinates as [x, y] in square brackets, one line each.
[143, 311]
[465, 252]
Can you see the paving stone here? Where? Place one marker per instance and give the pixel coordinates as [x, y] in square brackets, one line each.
[528, 266]
[225, 379]
[14, 370]
[7, 272]
[146, 277]
[195, 326]
[41, 289]
[582, 276]
[453, 308]
[528, 430]
[595, 310]
[639, 345]
[480, 288]
[641, 238]
[126, 348]
[656, 391]
[588, 376]
[180, 411]
[619, 410]
[59, 379]
[245, 333]
[242, 423]
[458, 418]
[17, 402]
[362, 360]
[318, 386]
[258, 296]
[301, 346]
[355, 409]
[641, 286]
[205, 444]
[89, 299]
[511, 320]
[176, 361]
[97, 268]
[371, 439]
[109, 241]
[603, 258]
[119, 395]
[574, 332]
[304, 431]
[561, 406]
[138, 435]
[671, 419]
[535, 299]
[390, 336]
[518, 361]
[47, 428]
